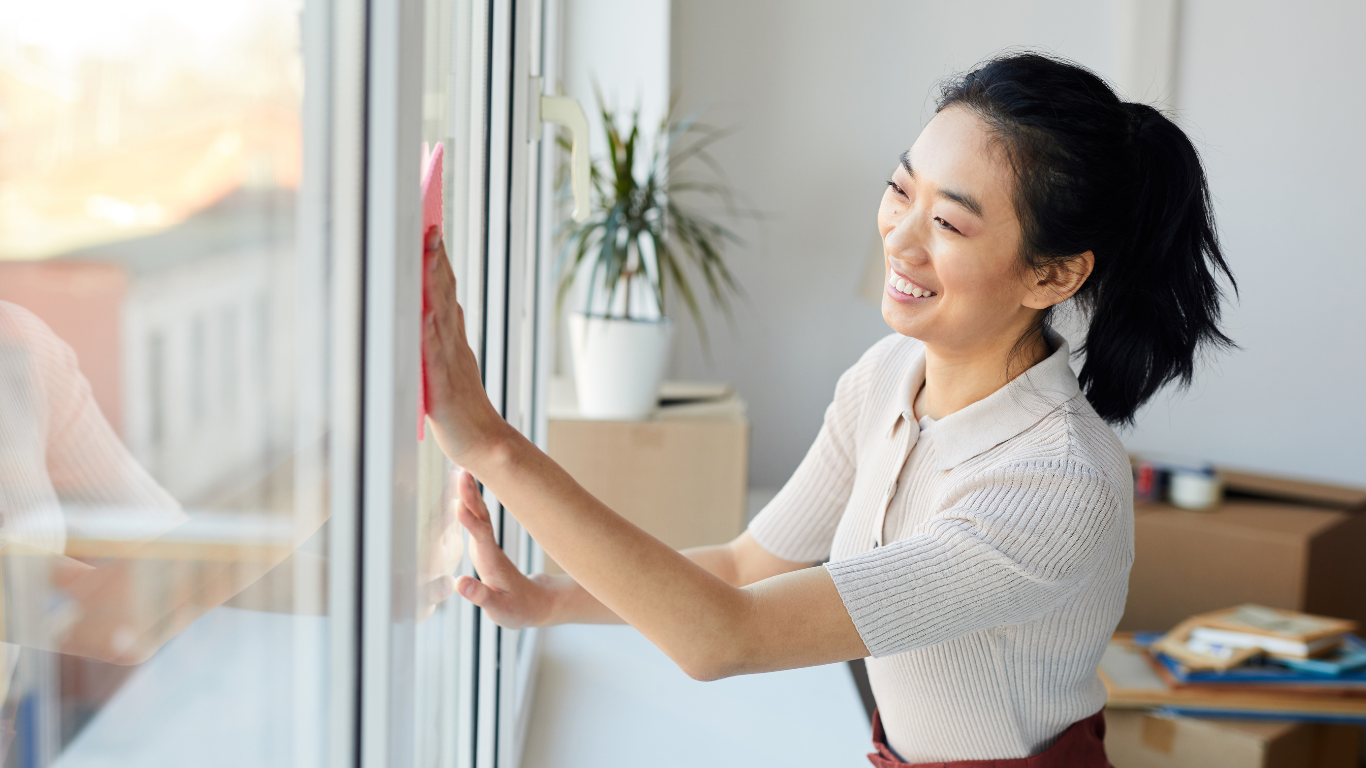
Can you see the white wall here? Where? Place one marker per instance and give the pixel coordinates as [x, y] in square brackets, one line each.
[826, 95]
[623, 46]
[1274, 93]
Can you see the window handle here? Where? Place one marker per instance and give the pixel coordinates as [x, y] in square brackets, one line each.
[562, 110]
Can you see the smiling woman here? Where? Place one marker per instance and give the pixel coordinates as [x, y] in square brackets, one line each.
[966, 488]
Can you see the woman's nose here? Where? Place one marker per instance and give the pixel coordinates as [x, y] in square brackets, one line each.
[905, 240]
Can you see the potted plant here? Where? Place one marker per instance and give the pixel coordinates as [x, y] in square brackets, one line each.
[640, 245]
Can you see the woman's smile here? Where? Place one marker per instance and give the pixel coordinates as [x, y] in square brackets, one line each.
[906, 290]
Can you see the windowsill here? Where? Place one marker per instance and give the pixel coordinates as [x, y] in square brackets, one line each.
[236, 688]
[606, 697]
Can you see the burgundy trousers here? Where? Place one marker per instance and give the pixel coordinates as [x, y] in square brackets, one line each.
[1082, 745]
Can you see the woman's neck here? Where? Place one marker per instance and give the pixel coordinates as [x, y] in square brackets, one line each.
[955, 379]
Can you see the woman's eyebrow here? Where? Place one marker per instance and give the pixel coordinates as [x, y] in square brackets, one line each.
[967, 201]
[964, 200]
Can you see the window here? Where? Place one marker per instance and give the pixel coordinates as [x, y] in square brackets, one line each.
[165, 556]
[216, 521]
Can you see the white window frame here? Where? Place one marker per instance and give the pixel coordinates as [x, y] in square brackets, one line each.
[330, 241]
[505, 284]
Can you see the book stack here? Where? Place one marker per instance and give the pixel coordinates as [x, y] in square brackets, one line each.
[1246, 660]
[1226, 639]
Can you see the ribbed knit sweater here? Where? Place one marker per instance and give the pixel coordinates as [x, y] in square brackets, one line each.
[57, 453]
[983, 558]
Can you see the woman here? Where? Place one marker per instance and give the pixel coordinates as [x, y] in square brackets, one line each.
[974, 505]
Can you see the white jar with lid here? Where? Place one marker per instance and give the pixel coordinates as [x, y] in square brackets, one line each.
[1192, 488]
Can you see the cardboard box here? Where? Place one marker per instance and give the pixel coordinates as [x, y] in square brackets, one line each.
[1302, 553]
[681, 475]
[1252, 484]
[1136, 739]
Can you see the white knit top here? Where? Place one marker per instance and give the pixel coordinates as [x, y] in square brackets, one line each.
[984, 561]
[57, 451]
[59, 454]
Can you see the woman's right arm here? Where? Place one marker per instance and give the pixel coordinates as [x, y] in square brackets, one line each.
[739, 563]
[515, 600]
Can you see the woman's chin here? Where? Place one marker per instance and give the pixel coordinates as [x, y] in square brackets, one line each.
[904, 320]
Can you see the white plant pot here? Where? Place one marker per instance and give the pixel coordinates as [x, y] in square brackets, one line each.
[618, 365]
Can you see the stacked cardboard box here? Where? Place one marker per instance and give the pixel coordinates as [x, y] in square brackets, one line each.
[1137, 739]
[681, 474]
[1280, 543]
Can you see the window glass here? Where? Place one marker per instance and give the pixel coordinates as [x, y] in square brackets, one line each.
[164, 403]
[450, 73]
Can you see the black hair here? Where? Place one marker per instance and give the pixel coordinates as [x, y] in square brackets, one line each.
[1119, 179]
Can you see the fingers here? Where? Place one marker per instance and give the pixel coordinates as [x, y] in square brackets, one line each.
[489, 559]
[445, 546]
[440, 285]
[481, 530]
[437, 590]
[448, 519]
[477, 592]
[468, 492]
[433, 594]
[440, 277]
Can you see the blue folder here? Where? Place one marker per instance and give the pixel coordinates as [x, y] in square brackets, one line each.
[1345, 668]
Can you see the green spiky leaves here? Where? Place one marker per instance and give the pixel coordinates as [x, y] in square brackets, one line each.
[639, 230]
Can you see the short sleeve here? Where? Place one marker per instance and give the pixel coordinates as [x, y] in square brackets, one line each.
[1015, 543]
[799, 524]
[86, 462]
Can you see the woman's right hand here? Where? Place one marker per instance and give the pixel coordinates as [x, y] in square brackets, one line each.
[508, 596]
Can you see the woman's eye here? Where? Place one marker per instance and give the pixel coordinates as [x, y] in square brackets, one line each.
[895, 188]
[945, 225]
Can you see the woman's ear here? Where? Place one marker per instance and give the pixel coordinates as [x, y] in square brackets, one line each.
[1058, 281]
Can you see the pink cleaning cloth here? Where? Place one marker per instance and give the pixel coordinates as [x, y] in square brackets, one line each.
[431, 217]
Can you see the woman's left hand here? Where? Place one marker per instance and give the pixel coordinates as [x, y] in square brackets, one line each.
[506, 595]
[464, 422]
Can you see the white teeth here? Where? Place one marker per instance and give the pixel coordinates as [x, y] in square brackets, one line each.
[909, 288]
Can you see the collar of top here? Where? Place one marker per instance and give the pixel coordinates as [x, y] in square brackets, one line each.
[996, 418]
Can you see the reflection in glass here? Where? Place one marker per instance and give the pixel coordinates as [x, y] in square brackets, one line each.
[162, 502]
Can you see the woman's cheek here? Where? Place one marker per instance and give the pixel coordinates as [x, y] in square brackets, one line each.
[886, 218]
[974, 271]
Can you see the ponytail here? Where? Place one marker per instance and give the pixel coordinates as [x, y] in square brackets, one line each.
[1158, 302]
[1121, 180]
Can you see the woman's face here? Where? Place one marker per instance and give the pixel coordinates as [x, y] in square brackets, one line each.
[949, 234]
